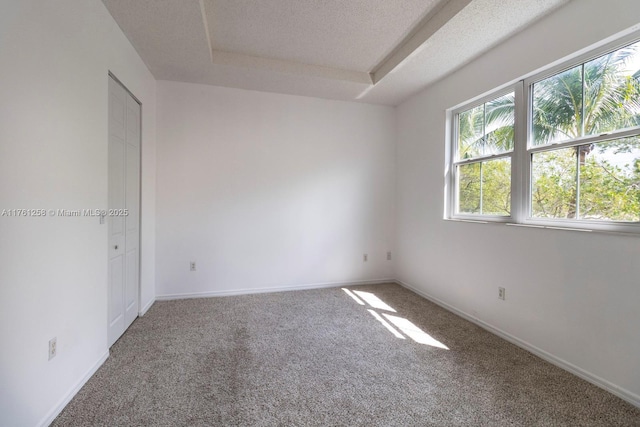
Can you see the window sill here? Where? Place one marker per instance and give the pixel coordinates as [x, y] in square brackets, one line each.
[547, 227]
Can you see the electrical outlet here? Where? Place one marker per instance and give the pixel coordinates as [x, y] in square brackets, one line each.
[389, 256]
[501, 293]
[192, 266]
[53, 348]
[365, 258]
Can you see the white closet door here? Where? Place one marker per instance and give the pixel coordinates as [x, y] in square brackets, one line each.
[132, 204]
[124, 194]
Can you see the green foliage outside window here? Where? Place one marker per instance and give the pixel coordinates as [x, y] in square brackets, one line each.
[596, 181]
[485, 187]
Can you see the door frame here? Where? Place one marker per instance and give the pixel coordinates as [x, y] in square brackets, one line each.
[111, 75]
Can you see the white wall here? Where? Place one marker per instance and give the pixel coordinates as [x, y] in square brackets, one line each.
[574, 295]
[54, 60]
[270, 191]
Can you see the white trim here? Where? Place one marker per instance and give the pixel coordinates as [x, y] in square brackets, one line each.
[452, 160]
[519, 183]
[591, 225]
[587, 139]
[55, 411]
[146, 308]
[548, 225]
[481, 218]
[246, 291]
[622, 393]
[482, 158]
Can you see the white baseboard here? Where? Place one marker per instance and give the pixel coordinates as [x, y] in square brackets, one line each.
[146, 308]
[273, 289]
[622, 393]
[53, 413]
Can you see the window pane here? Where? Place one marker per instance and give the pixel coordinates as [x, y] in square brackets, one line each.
[557, 107]
[485, 188]
[553, 181]
[487, 128]
[612, 91]
[471, 133]
[469, 188]
[610, 180]
[500, 117]
[496, 187]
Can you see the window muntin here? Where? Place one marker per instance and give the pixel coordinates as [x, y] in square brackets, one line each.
[578, 162]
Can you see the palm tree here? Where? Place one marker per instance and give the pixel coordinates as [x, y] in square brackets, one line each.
[487, 128]
[596, 97]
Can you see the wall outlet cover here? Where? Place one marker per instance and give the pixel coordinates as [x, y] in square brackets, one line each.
[53, 347]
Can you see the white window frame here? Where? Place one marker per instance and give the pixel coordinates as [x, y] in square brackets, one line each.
[521, 156]
[453, 162]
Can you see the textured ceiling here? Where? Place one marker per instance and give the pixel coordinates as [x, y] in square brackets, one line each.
[351, 35]
[377, 51]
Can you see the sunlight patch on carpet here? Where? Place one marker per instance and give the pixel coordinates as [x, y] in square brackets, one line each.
[398, 326]
[386, 324]
[414, 332]
[374, 301]
[352, 295]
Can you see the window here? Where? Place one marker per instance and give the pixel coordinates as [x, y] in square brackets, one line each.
[577, 161]
[485, 141]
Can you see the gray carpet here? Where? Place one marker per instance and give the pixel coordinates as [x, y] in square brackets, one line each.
[318, 358]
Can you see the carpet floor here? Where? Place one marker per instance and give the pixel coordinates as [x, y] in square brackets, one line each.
[374, 356]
